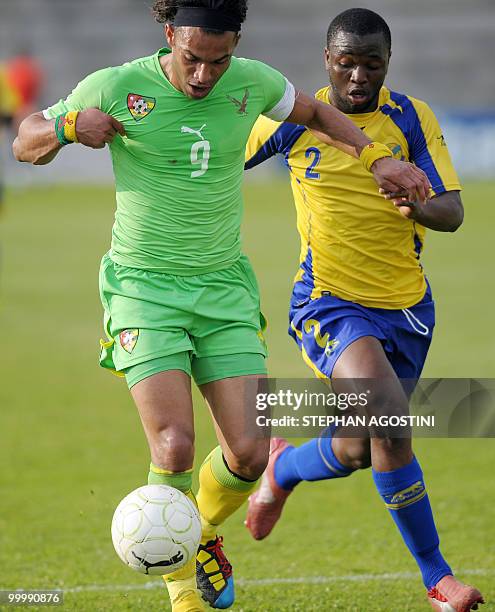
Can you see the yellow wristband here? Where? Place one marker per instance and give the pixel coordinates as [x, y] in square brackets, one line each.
[372, 152]
[70, 126]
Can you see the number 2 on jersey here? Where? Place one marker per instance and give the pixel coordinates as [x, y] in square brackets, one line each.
[310, 172]
[200, 156]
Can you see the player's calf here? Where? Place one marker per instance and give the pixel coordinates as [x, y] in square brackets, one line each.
[354, 453]
[247, 458]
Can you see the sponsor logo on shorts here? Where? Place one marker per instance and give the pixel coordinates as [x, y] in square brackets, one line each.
[128, 339]
[140, 106]
[325, 342]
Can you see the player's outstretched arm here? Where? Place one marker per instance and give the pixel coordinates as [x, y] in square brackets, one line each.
[334, 128]
[37, 141]
[442, 213]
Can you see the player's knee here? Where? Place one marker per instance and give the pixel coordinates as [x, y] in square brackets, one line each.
[173, 449]
[249, 459]
[354, 453]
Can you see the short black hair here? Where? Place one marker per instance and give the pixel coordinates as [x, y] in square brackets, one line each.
[165, 11]
[359, 21]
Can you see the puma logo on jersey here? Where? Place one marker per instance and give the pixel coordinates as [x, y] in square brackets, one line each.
[241, 105]
[198, 133]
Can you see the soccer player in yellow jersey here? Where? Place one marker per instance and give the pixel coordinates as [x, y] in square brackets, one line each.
[361, 305]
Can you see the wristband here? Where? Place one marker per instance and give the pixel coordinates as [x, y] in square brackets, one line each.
[65, 128]
[372, 152]
[70, 126]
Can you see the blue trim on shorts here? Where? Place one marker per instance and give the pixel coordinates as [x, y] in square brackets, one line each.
[327, 326]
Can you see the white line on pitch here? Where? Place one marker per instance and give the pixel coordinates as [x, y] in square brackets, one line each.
[272, 581]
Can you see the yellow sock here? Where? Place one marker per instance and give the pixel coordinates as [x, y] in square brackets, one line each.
[182, 589]
[181, 584]
[220, 494]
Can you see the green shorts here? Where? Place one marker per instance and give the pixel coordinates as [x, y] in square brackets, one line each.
[209, 325]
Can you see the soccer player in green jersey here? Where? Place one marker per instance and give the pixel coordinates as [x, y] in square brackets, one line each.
[180, 299]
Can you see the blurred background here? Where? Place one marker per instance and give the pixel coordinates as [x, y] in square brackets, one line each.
[71, 445]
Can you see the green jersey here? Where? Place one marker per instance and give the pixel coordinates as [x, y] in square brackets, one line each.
[179, 169]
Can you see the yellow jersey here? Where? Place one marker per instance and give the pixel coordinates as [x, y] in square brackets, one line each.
[355, 244]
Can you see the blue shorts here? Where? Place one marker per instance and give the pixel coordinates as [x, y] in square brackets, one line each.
[325, 327]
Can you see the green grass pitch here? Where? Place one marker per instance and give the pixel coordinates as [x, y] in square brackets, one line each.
[72, 446]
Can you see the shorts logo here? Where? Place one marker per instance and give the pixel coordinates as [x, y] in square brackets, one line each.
[128, 339]
[324, 342]
[140, 106]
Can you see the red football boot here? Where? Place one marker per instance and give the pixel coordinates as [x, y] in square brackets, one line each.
[266, 504]
[450, 595]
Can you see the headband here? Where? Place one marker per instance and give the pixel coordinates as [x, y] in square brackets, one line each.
[208, 18]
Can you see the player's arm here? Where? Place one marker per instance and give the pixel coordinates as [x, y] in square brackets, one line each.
[334, 128]
[442, 213]
[81, 118]
[37, 141]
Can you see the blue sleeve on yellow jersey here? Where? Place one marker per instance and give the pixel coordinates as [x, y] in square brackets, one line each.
[263, 145]
[421, 134]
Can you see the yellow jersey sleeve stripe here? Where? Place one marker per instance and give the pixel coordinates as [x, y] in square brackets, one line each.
[268, 138]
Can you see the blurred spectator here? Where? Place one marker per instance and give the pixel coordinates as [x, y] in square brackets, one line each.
[24, 77]
[21, 82]
[9, 103]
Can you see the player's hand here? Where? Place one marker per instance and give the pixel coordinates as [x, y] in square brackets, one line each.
[95, 129]
[395, 176]
[408, 209]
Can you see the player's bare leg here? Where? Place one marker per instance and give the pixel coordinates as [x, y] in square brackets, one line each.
[165, 406]
[227, 477]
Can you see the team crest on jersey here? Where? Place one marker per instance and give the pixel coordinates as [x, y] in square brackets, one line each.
[397, 151]
[128, 339]
[140, 106]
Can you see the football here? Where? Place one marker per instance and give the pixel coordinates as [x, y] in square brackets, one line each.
[140, 106]
[156, 529]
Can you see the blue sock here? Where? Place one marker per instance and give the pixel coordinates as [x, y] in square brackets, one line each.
[404, 494]
[311, 461]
